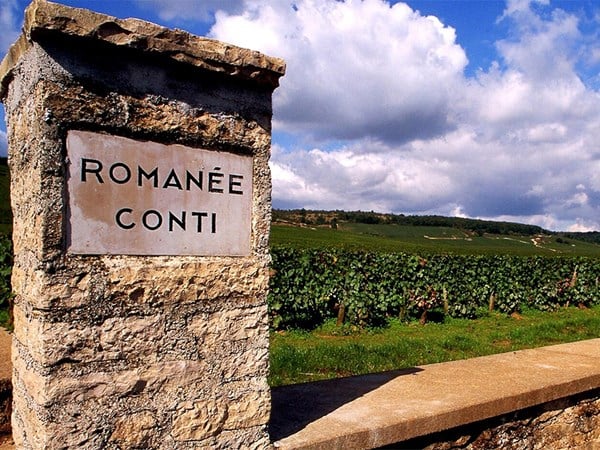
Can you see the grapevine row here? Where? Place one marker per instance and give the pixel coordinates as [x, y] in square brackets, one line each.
[309, 287]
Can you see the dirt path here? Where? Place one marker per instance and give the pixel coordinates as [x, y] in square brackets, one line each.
[5, 366]
[6, 442]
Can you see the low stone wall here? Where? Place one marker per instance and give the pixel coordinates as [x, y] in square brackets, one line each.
[546, 398]
[565, 424]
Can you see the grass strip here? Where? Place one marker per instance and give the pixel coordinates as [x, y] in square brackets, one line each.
[4, 318]
[332, 352]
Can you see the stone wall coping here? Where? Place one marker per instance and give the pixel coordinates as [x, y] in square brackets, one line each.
[43, 18]
[383, 409]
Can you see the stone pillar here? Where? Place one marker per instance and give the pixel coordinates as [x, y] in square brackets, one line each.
[141, 200]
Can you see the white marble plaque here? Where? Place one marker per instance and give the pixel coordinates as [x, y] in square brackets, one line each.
[129, 197]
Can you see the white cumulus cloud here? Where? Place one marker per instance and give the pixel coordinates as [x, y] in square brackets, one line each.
[189, 10]
[517, 140]
[356, 69]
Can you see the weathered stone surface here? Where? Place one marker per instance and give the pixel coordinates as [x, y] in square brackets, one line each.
[135, 431]
[115, 351]
[196, 421]
[566, 424]
[156, 332]
[248, 409]
[211, 327]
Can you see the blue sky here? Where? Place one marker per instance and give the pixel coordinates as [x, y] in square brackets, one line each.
[478, 108]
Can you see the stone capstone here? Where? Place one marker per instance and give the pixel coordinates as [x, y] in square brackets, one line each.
[43, 17]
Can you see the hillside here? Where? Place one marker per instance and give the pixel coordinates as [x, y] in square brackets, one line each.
[421, 234]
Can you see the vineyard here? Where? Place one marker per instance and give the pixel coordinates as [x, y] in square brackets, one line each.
[366, 289]
[365, 269]
[365, 274]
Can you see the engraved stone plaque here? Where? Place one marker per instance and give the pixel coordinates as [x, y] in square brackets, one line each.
[144, 198]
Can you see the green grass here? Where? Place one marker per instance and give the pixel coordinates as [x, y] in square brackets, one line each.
[421, 239]
[331, 352]
[4, 317]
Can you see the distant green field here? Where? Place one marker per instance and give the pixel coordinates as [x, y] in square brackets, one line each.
[422, 239]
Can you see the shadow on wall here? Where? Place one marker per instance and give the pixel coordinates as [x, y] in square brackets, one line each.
[293, 407]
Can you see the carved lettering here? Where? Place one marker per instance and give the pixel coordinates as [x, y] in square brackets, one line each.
[121, 173]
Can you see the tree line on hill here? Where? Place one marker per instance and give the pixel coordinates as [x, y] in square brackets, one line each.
[478, 226]
[587, 236]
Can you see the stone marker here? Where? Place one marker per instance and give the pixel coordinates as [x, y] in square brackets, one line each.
[141, 199]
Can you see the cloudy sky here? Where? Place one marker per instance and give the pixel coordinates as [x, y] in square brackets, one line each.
[476, 108]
